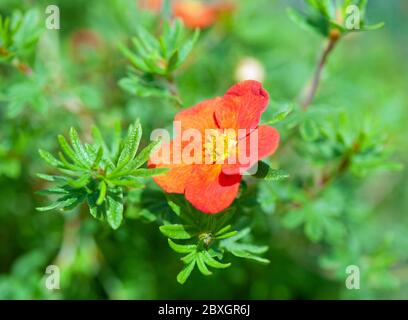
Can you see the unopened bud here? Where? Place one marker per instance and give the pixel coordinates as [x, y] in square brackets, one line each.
[250, 69]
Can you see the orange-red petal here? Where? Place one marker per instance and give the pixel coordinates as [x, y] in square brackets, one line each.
[210, 190]
[173, 181]
[200, 117]
[265, 139]
[242, 106]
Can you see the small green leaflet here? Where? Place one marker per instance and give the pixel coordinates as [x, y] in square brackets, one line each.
[178, 231]
[265, 172]
[280, 115]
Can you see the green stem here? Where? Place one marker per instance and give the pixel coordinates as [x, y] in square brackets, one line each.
[310, 90]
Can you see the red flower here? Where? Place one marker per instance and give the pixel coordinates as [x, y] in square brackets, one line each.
[198, 14]
[193, 13]
[83, 42]
[152, 5]
[211, 182]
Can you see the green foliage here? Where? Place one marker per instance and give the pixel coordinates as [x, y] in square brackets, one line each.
[155, 59]
[210, 236]
[320, 218]
[281, 114]
[333, 136]
[97, 174]
[344, 202]
[18, 34]
[265, 172]
[324, 16]
[27, 95]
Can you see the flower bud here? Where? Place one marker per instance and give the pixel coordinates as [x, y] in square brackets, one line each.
[249, 69]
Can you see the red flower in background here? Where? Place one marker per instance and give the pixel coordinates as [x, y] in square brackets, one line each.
[83, 42]
[198, 14]
[212, 187]
[193, 13]
[152, 5]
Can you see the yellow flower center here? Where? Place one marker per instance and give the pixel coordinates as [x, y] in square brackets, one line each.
[219, 145]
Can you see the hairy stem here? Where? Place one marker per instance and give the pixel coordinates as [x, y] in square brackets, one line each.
[341, 169]
[173, 88]
[310, 89]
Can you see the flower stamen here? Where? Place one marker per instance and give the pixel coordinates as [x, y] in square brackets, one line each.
[219, 145]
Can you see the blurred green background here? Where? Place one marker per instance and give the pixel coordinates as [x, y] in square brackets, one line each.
[367, 75]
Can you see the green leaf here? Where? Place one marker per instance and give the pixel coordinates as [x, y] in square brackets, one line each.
[373, 27]
[144, 155]
[73, 201]
[177, 231]
[265, 172]
[182, 248]
[50, 207]
[176, 202]
[321, 6]
[223, 234]
[316, 22]
[70, 166]
[246, 255]
[294, 218]
[223, 230]
[226, 235]
[70, 152]
[49, 158]
[201, 265]
[251, 247]
[98, 138]
[56, 190]
[51, 178]
[98, 212]
[133, 59]
[172, 63]
[114, 210]
[187, 47]
[79, 149]
[98, 158]
[102, 193]
[128, 182]
[185, 273]
[131, 144]
[244, 250]
[280, 115]
[212, 262]
[80, 182]
[309, 130]
[148, 41]
[143, 173]
[135, 86]
[314, 230]
[189, 258]
[116, 142]
[299, 19]
[362, 7]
